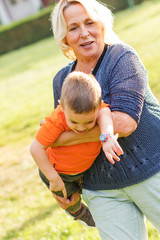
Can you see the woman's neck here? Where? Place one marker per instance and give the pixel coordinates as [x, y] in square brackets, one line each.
[86, 66]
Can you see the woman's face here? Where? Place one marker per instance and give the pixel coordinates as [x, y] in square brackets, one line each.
[84, 36]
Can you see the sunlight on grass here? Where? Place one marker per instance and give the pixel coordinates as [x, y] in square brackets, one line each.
[27, 91]
[27, 209]
[30, 211]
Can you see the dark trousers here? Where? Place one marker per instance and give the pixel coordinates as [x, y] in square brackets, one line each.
[72, 185]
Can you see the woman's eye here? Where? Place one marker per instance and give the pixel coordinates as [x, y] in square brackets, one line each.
[90, 23]
[73, 28]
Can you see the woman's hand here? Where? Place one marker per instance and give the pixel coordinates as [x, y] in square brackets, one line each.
[41, 122]
[66, 203]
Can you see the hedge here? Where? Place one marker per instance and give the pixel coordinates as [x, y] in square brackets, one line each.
[26, 31]
[116, 5]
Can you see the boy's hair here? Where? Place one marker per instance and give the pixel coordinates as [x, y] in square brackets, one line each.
[81, 93]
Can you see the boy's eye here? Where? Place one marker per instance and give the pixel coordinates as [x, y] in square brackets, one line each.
[73, 122]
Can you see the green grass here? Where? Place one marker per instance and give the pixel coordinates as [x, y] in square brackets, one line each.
[26, 88]
[27, 210]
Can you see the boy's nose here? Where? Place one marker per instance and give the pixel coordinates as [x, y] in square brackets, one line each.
[81, 128]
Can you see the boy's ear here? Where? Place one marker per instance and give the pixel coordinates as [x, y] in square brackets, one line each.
[59, 101]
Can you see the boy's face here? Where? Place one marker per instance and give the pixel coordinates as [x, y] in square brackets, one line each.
[80, 123]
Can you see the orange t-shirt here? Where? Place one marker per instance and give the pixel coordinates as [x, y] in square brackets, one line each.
[66, 159]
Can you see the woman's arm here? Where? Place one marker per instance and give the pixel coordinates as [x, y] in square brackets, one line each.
[124, 125]
[71, 138]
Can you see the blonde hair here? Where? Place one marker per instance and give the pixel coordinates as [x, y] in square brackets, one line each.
[96, 11]
[81, 93]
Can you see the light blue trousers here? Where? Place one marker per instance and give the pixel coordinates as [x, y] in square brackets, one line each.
[119, 214]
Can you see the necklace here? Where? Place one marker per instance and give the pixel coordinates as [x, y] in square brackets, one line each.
[78, 68]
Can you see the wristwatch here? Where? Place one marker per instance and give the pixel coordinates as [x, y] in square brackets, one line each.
[104, 137]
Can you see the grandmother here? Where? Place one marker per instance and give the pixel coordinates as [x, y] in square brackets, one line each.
[118, 195]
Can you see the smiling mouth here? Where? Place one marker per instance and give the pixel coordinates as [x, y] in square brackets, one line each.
[86, 44]
[81, 131]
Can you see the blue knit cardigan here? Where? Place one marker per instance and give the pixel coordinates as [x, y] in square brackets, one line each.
[125, 87]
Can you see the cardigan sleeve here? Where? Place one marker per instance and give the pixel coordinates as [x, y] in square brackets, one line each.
[57, 88]
[127, 85]
[58, 82]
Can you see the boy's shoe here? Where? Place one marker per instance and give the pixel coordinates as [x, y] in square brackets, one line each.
[84, 215]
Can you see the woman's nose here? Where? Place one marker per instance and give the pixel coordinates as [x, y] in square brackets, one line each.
[84, 32]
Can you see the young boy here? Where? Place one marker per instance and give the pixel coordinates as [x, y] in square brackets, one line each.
[62, 168]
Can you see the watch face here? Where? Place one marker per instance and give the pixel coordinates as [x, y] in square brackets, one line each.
[103, 137]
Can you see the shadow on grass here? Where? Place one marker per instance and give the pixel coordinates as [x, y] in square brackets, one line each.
[12, 233]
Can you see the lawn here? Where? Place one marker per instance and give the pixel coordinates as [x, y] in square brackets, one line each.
[27, 209]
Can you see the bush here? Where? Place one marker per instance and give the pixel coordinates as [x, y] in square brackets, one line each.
[26, 31]
[116, 5]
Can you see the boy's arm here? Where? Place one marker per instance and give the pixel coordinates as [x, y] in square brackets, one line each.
[111, 147]
[104, 120]
[41, 158]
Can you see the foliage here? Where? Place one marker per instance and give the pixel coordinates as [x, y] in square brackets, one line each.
[116, 5]
[25, 31]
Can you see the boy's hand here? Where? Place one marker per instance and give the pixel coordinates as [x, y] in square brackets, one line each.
[58, 185]
[66, 203]
[112, 149]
